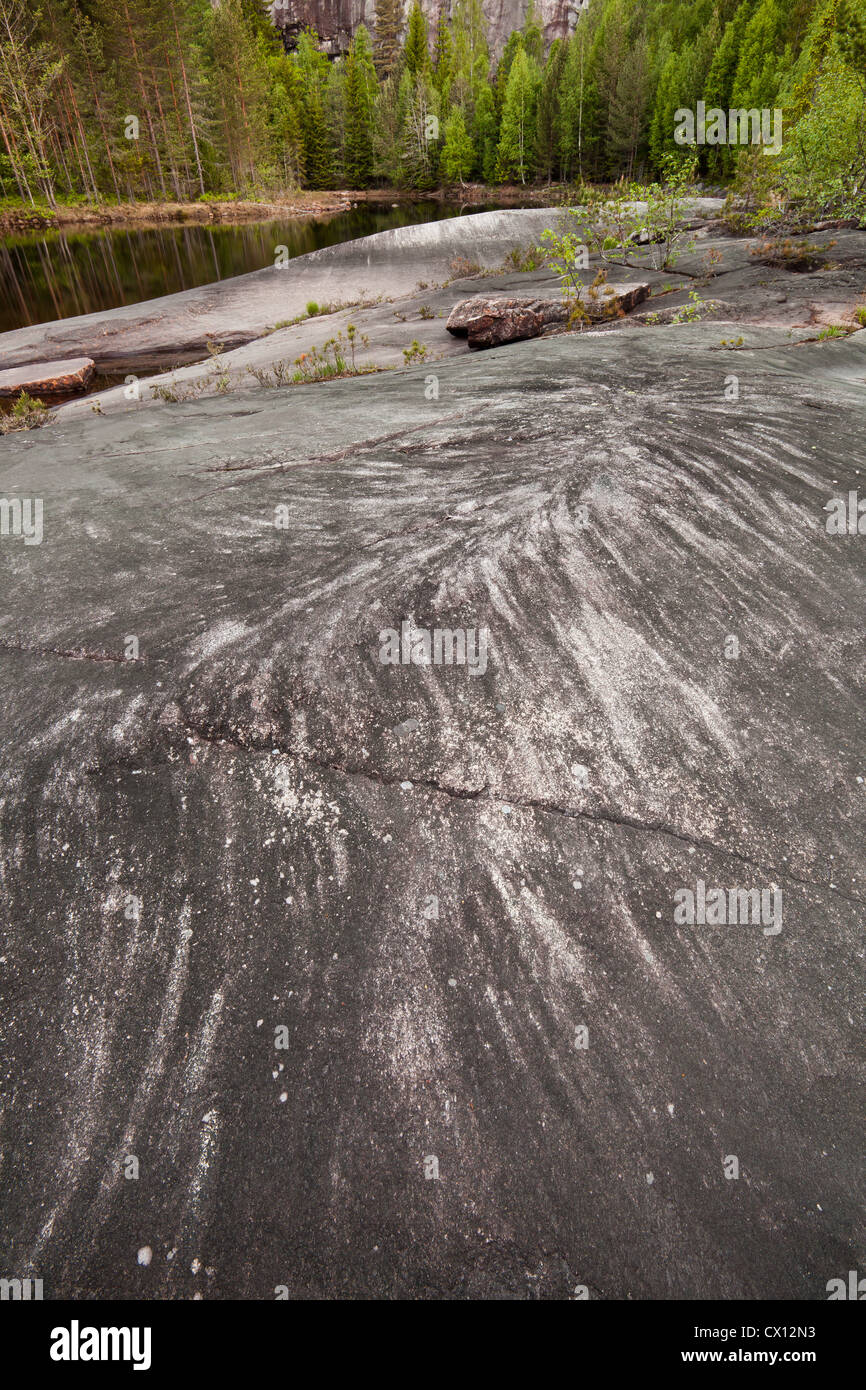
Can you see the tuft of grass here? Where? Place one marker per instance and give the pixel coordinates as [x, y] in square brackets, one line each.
[28, 413]
[836, 330]
[335, 358]
[462, 269]
[788, 254]
[315, 310]
[524, 259]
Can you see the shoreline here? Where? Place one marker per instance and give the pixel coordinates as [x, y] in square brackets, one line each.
[91, 217]
[306, 203]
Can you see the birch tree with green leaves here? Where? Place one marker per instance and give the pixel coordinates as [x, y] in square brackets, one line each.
[30, 73]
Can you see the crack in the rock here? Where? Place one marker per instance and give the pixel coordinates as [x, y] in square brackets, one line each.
[533, 804]
[759, 347]
[72, 654]
[339, 454]
[255, 470]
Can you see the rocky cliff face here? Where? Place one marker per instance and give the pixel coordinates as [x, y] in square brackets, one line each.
[336, 20]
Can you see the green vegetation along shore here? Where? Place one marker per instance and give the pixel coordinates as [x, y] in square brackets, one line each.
[157, 101]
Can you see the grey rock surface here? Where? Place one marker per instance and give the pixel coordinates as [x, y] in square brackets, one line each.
[383, 333]
[236, 310]
[244, 822]
[233, 312]
[740, 292]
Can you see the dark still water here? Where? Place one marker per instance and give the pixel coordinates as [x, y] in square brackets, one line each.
[54, 275]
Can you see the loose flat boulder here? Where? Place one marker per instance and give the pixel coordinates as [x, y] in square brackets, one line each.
[493, 321]
[48, 378]
[490, 322]
[502, 320]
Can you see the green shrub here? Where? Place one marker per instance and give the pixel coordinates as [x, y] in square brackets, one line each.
[28, 413]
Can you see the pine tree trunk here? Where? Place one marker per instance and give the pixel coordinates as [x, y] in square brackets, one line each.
[144, 106]
[192, 129]
[17, 169]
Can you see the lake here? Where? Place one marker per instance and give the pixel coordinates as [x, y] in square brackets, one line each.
[54, 275]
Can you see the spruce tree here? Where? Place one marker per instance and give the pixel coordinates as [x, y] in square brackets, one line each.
[388, 28]
[458, 152]
[723, 69]
[626, 109]
[533, 41]
[443, 57]
[360, 106]
[548, 109]
[513, 46]
[486, 134]
[416, 55]
[719, 85]
[755, 82]
[313, 68]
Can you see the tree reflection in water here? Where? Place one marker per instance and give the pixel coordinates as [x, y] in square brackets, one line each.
[55, 275]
